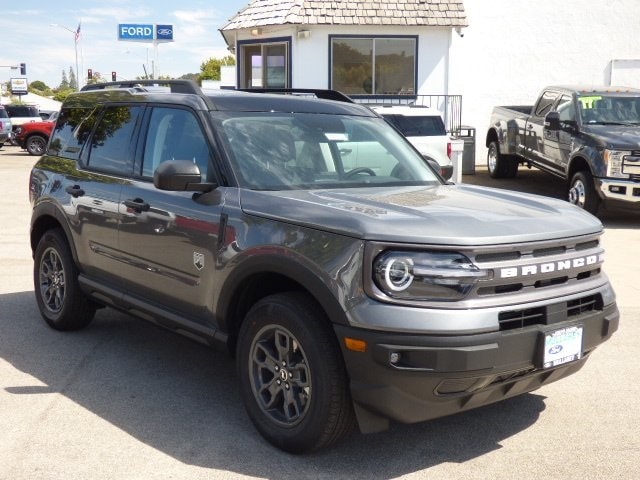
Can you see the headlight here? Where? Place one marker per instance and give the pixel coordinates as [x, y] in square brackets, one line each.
[426, 276]
[613, 159]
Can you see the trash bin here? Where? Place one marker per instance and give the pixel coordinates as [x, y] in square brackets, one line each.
[468, 134]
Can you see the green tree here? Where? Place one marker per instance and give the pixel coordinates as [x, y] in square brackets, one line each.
[64, 84]
[211, 68]
[38, 85]
[73, 81]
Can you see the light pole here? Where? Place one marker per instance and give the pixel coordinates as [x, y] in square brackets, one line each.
[76, 34]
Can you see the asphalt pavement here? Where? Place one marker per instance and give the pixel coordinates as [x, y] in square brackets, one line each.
[124, 399]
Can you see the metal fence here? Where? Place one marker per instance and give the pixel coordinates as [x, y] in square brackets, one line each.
[449, 106]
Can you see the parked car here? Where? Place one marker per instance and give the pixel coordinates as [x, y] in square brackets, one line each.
[48, 114]
[349, 292]
[587, 136]
[5, 126]
[21, 114]
[34, 136]
[424, 128]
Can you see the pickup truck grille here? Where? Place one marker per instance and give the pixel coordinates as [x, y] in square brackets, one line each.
[540, 266]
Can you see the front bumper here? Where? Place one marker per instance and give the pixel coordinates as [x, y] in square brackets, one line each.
[411, 378]
[615, 189]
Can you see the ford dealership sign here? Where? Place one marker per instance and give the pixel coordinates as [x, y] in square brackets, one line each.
[145, 32]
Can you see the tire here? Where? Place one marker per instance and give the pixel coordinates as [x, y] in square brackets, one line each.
[292, 379]
[499, 165]
[36, 145]
[582, 192]
[55, 277]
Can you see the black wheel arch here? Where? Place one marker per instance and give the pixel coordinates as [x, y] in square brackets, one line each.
[576, 164]
[47, 216]
[492, 136]
[259, 277]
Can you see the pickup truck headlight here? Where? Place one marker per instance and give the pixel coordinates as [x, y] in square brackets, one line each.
[613, 159]
[426, 276]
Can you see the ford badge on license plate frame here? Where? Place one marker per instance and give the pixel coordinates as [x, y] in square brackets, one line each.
[562, 346]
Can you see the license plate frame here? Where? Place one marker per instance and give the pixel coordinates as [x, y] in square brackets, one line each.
[561, 346]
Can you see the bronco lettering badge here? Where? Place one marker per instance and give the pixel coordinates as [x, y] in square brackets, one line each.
[549, 267]
[198, 260]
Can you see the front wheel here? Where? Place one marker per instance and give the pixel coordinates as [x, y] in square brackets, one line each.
[36, 145]
[499, 165]
[60, 300]
[292, 378]
[582, 192]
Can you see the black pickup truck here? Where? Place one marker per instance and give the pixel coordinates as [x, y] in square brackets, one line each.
[589, 136]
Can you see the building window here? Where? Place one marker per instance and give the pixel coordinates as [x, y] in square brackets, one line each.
[374, 66]
[265, 65]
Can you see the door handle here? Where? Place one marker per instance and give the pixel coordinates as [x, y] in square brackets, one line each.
[137, 204]
[75, 191]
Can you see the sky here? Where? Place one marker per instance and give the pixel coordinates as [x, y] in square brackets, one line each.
[28, 36]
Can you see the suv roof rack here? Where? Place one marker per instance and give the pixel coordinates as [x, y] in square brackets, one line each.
[319, 93]
[176, 86]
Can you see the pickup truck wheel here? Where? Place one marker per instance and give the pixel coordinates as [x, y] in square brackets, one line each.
[500, 166]
[55, 276]
[292, 379]
[36, 144]
[582, 192]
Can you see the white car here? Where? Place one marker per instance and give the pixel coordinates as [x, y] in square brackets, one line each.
[424, 128]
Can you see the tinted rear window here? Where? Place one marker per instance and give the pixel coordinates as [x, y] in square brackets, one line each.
[3, 113]
[21, 111]
[417, 126]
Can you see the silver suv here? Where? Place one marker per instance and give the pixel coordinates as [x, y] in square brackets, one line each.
[351, 289]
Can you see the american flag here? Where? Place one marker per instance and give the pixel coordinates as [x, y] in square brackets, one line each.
[78, 32]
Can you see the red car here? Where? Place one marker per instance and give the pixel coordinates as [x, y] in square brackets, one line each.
[34, 136]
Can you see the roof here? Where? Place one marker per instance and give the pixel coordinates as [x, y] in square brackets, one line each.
[430, 13]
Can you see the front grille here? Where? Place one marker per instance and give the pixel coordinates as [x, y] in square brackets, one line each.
[549, 314]
[534, 266]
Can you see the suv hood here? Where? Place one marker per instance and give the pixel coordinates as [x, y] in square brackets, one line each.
[443, 214]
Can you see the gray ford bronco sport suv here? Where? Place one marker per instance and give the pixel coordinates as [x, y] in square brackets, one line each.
[352, 284]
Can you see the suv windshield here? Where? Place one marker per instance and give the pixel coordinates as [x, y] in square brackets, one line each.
[276, 151]
[417, 126]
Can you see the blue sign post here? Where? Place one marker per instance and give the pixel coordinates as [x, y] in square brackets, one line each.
[146, 32]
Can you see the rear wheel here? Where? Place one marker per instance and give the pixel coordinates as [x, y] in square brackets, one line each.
[582, 192]
[499, 165]
[55, 276]
[36, 145]
[292, 379]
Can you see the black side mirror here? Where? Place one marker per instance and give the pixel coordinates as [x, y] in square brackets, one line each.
[180, 176]
[552, 121]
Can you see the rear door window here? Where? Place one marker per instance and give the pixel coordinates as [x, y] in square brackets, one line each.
[112, 146]
[545, 103]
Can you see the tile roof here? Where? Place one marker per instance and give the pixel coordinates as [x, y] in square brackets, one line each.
[429, 13]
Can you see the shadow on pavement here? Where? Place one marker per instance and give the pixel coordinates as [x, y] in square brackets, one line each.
[181, 398]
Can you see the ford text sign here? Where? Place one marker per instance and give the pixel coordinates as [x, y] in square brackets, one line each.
[145, 32]
[135, 31]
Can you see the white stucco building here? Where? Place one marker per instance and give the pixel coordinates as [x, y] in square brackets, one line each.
[508, 51]
[362, 48]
